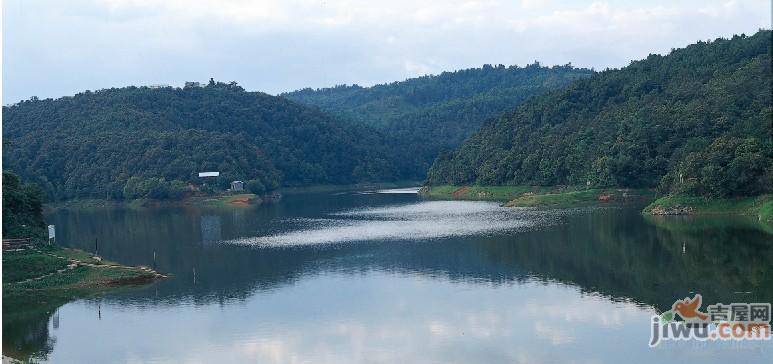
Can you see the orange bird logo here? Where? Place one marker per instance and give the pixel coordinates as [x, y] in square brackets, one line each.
[688, 308]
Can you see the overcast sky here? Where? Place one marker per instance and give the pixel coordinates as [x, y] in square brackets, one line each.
[53, 48]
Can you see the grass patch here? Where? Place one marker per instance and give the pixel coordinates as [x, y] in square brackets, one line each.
[18, 266]
[487, 193]
[47, 285]
[584, 197]
[535, 196]
[760, 206]
[570, 198]
[83, 256]
[765, 212]
[222, 200]
[242, 199]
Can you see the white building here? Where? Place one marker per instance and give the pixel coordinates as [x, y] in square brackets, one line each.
[208, 174]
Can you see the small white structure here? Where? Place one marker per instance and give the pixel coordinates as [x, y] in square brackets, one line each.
[51, 233]
[208, 174]
[237, 186]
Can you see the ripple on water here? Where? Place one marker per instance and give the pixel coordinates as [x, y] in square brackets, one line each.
[414, 221]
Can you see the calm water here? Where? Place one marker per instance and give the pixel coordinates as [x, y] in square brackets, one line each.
[388, 277]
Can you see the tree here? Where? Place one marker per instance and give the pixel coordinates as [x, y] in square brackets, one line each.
[256, 187]
[22, 209]
[690, 122]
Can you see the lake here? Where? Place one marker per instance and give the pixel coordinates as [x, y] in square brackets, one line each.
[385, 277]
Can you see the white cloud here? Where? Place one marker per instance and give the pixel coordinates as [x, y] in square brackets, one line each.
[279, 45]
[555, 334]
[417, 68]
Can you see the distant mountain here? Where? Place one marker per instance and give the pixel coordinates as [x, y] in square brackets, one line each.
[91, 144]
[423, 116]
[696, 121]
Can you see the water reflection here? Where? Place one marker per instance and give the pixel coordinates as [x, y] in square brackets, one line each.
[416, 221]
[389, 322]
[508, 285]
[211, 229]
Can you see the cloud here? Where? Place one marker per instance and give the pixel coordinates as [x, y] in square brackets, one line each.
[557, 335]
[428, 319]
[281, 45]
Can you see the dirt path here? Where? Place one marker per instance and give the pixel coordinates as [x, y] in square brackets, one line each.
[74, 263]
[241, 201]
[460, 192]
[70, 266]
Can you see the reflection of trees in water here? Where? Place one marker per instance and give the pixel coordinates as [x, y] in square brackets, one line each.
[616, 253]
[620, 255]
[211, 230]
[26, 334]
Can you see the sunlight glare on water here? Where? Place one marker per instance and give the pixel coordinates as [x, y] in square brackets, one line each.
[415, 221]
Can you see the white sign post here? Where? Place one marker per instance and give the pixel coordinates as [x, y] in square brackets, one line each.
[51, 233]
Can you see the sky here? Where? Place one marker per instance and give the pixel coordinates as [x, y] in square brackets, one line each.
[54, 48]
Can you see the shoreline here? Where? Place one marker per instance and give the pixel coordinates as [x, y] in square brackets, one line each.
[538, 196]
[760, 207]
[49, 274]
[221, 200]
[231, 200]
[349, 187]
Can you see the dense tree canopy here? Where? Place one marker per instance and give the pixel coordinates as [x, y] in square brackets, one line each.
[696, 121]
[423, 116]
[94, 143]
[22, 208]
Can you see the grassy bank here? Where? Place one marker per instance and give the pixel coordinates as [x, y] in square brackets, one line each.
[223, 199]
[531, 196]
[760, 207]
[487, 193]
[243, 199]
[584, 197]
[50, 274]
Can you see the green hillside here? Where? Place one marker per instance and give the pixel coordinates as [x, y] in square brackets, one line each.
[90, 145]
[696, 121]
[426, 115]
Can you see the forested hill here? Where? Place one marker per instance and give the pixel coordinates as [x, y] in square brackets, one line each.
[695, 121]
[423, 116]
[91, 144]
